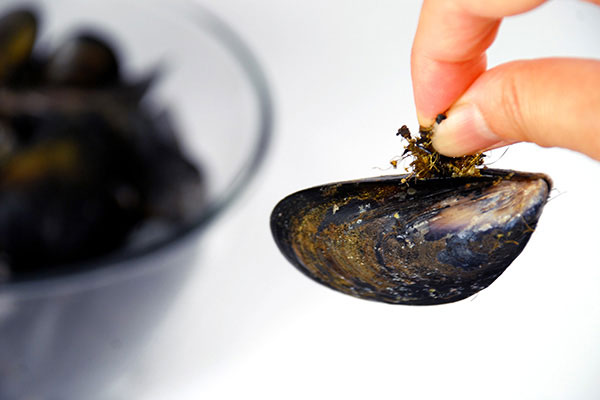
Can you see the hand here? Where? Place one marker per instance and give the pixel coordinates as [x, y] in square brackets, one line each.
[551, 102]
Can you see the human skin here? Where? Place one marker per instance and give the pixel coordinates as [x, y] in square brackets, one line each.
[551, 101]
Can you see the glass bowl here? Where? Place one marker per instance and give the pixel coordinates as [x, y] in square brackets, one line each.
[67, 336]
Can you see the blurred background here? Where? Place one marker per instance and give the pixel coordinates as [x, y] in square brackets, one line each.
[248, 325]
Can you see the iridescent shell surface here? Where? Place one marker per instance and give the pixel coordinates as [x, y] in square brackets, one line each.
[406, 241]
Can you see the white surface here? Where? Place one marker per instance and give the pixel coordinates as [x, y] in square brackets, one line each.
[249, 325]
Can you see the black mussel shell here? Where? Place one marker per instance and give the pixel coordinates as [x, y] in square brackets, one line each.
[79, 184]
[87, 168]
[18, 31]
[72, 194]
[407, 241]
[85, 60]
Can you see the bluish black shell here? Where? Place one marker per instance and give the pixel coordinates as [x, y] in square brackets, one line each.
[409, 241]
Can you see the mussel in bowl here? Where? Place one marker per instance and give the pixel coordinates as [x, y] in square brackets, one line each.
[402, 239]
[88, 164]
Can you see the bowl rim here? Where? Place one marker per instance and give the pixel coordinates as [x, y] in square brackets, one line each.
[108, 268]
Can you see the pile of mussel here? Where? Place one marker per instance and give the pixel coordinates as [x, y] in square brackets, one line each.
[84, 162]
[437, 235]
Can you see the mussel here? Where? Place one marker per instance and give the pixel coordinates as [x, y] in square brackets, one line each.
[84, 162]
[18, 31]
[84, 61]
[401, 240]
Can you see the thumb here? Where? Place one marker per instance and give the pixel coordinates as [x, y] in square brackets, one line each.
[551, 102]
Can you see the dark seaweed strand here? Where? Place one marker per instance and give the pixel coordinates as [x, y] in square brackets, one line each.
[428, 163]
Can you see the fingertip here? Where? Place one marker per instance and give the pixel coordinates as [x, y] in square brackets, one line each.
[464, 131]
[551, 102]
[425, 121]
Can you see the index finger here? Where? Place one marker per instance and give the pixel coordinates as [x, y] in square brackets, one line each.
[448, 52]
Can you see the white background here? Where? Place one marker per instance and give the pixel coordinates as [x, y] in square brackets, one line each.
[248, 325]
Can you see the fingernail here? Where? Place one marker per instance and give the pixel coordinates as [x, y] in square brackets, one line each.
[464, 132]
